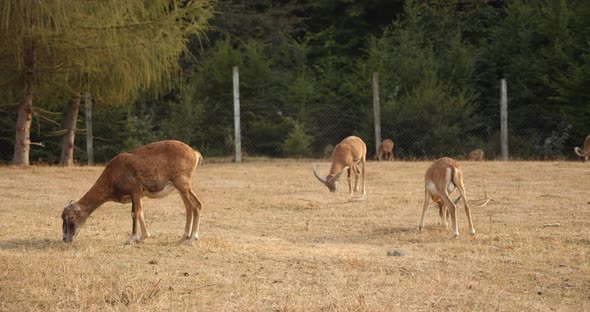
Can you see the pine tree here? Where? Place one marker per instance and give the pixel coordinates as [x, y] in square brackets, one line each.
[112, 49]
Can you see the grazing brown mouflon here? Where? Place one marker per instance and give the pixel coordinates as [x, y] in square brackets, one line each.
[153, 170]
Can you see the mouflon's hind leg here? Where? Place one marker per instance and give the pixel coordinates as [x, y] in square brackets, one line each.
[189, 217]
[467, 210]
[453, 210]
[357, 176]
[135, 212]
[443, 212]
[144, 231]
[364, 175]
[424, 208]
[197, 208]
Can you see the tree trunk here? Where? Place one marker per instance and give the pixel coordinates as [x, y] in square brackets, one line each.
[67, 143]
[89, 137]
[22, 143]
[23, 130]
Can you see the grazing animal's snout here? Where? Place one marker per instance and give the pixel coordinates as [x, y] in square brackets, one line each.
[333, 185]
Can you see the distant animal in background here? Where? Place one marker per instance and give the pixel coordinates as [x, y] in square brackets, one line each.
[347, 155]
[385, 150]
[585, 151]
[476, 155]
[440, 180]
[153, 170]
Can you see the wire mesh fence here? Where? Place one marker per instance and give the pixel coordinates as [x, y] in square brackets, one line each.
[427, 131]
[421, 130]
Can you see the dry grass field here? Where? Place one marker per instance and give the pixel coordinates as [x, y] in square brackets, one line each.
[274, 239]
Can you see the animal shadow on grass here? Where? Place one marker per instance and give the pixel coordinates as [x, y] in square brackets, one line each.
[340, 202]
[31, 244]
[410, 233]
[392, 230]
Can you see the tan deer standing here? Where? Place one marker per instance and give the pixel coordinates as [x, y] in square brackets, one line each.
[585, 151]
[348, 155]
[385, 150]
[476, 155]
[153, 170]
[440, 180]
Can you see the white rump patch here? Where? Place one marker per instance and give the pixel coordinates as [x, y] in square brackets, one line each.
[450, 187]
[449, 182]
[431, 188]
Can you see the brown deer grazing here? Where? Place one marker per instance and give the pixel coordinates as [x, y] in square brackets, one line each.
[153, 170]
[385, 150]
[347, 155]
[476, 155]
[441, 179]
[585, 151]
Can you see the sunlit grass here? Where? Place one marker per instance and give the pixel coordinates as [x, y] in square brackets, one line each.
[274, 238]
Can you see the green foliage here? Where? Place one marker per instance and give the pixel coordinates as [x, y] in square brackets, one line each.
[298, 95]
[7, 124]
[138, 129]
[305, 77]
[269, 94]
[427, 82]
[112, 49]
[210, 89]
[182, 120]
[541, 48]
[86, 45]
[297, 143]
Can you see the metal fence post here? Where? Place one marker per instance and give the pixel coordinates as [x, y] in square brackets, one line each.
[89, 136]
[376, 111]
[504, 119]
[237, 132]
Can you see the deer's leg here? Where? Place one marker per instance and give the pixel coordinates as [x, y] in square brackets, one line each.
[189, 216]
[350, 169]
[424, 208]
[467, 210]
[198, 206]
[453, 210]
[144, 231]
[135, 211]
[364, 169]
[443, 212]
[357, 174]
[447, 214]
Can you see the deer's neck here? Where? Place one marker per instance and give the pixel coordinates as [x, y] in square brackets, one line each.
[335, 169]
[93, 199]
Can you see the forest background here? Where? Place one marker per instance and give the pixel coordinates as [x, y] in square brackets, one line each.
[305, 82]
